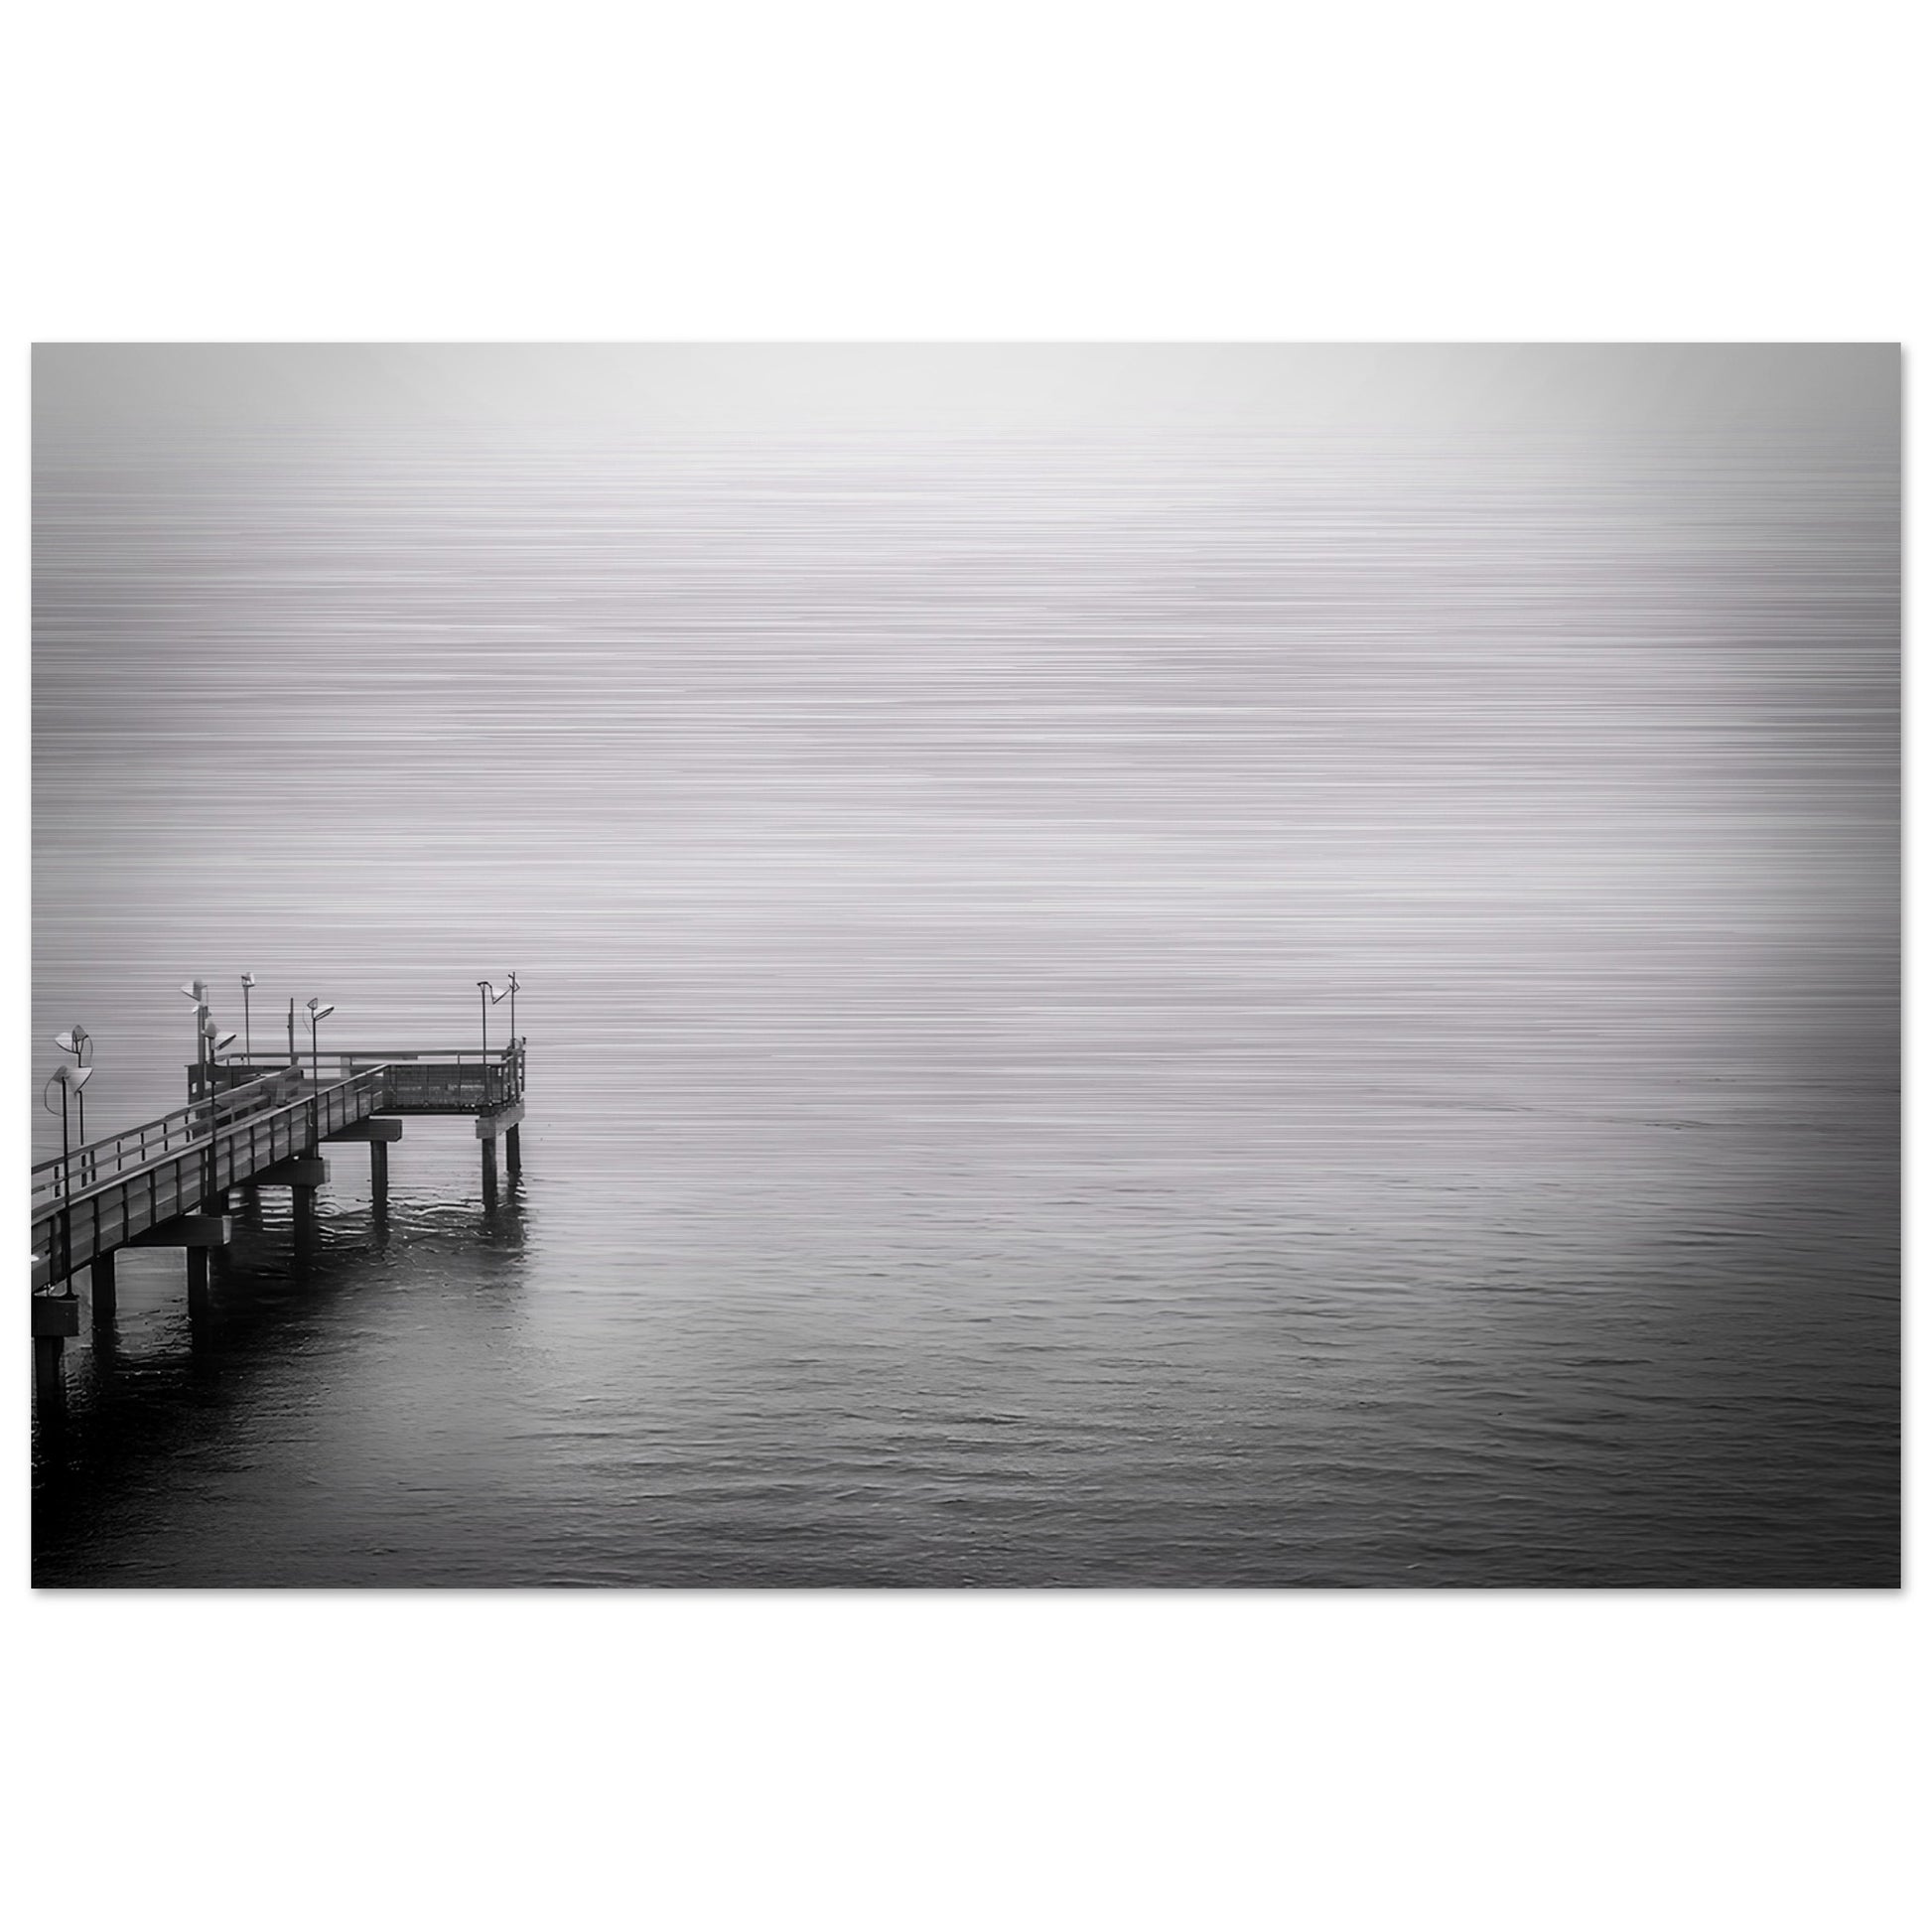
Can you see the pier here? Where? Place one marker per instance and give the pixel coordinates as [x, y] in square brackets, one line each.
[251, 1121]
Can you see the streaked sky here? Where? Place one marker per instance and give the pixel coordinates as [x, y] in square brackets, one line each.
[1851, 388]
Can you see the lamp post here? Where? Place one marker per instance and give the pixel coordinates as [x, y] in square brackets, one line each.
[247, 1032]
[512, 994]
[317, 1013]
[77, 1041]
[487, 997]
[69, 1079]
[196, 990]
[212, 1041]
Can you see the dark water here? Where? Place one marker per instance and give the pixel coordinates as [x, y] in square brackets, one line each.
[1230, 1009]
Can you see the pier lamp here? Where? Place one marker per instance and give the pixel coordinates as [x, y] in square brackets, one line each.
[213, 1040]
[77, 1041]
[317, 1013]
[486, 996]
[196, 990]
[247, 1032]
[512, 993]
[69, 1079]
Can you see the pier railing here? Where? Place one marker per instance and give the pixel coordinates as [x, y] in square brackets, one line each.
[132, 1147]
[107, 1193]
[449, 1080]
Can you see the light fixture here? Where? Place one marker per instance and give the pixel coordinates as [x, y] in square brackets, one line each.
[487, 997]
[247, 1032]
[317, 1013]
[212, 1040]
[69, 1079]
[75, 1040]
[512, 994]
[196, 990]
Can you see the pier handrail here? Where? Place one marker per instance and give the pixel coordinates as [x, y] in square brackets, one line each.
[282, 1059]
[70, 1229]
[186, 1130]
[464, 1076]
[135, 1147]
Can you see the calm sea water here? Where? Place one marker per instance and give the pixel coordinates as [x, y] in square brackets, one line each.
[1164, 1010]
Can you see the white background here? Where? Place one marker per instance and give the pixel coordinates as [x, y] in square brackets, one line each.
[719, 171]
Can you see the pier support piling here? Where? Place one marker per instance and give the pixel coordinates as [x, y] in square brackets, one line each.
[301, 1175]
[56, 1318]
[514, 1153]
[103, 1289]
[499, 1125]
[198, 1235]
[378, 1132]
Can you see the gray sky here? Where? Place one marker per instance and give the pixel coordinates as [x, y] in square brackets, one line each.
[90, 388]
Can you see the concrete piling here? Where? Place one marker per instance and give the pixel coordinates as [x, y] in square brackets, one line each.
[56, 1318]
[102, 1283]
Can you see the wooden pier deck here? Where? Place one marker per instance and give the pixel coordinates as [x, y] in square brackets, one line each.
[260, 1120]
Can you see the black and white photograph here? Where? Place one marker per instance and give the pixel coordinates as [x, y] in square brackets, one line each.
[982, 965]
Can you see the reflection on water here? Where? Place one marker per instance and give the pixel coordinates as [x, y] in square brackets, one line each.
[1167, 1010]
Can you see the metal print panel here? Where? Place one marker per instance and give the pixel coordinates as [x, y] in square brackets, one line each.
[966, 966]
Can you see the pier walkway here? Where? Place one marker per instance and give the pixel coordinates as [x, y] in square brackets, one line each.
[252, 1121]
